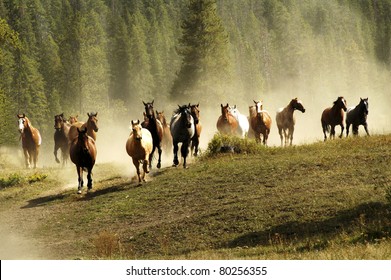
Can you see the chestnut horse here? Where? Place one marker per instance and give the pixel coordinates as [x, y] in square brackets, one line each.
[182, 130]
[286, 121]
[91, 125]
[156, 128]
[139, 146]
[195, 140]
[167, 138]
[333, 116]
[226, 123]
[31, 140]
[260, 122]
[357, 116]
[83, 154]
[61, 137]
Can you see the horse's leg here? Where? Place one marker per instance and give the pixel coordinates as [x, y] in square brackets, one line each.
[342, 129]
[151, 156]
[347, 129]
[145, 168]
[291, 130]
[56, 147]
[332, 132]
[185, 152]
[176, 161]
[324, 127]
[366, 128]
[355, 130]
[136, 164]
[159, 150]
[89, 179]
[286, 136]
[79, 178]
[281, 137]
[35, 156]
[26, 158]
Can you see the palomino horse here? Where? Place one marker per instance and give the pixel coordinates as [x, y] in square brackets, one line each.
[61, 137]
[83, 154]
[357, 116]
[260, 122]
[195, 140]
[91, 125]
[286, 121]
[31, 140]
[156, 128]
[333, 116]
[182, 130]
[167, 138]
[73, 119]
[226, 123]
[139, 146]
[243, 124]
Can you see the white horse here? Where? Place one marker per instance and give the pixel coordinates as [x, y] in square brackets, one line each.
[243, 124]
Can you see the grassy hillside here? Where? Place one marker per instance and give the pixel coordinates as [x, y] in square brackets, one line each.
[318, 201]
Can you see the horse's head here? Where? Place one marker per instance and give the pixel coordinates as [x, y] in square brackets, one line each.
[83, 138]
[93, 121]
[195, 112]
[186, 116]
[225, 111]
[233, 110]
[297, 105]
[258, 107]
[150, 113]
[341, 103]
[59, 121]
[137, 130]
[73, 119]
[364, 105]
[161, 117]
[22, 122]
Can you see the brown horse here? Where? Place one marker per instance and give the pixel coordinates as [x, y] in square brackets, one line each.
[83, 154]
[91, 125]
[31, 140]
[260, 122]
[139, 146]
[195, 140]
[286, 121]
[333, 116]
[226, 123]
[156, 128]
[167, 138]
[61, 137]
[73, 119]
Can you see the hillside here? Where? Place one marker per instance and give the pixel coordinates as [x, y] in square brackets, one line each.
[316, 201]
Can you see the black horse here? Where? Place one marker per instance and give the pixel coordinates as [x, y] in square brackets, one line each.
[156, 128]
[357, 116]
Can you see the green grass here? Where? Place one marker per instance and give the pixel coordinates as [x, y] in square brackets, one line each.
[318, 201]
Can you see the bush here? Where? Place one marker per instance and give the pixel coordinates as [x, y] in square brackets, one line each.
[12, 180]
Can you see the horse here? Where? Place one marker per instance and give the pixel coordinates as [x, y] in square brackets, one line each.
[286, 121]
[91, 125]
[260, 122]
[357, 116]
[226, 123]
[333, 116]
[195, 140]
[156, 128]
[182, 131]
[73, 119]
[139, 146]
[243, 123]
[61, 127]
[167, 138]
[31, 140]
[83, 154]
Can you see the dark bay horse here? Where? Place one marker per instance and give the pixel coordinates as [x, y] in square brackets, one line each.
[167, 138]
[83, 154]
[260, 122]
[91, 125]
[334, 116]
[156, 128]
[139, 146]
[61, 127]
[195, 140]
[31, 140]
[357, 116]
[227, 123]
[286, 121]
[182, 130]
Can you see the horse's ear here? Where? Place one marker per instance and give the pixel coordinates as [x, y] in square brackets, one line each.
[179, 106]
[198, 105]
[96, 114]
[152, 101]
[255, 101]
[222, 106]
[138, 121]
[88, 114]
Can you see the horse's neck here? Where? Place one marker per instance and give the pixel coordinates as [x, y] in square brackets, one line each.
[336, 110]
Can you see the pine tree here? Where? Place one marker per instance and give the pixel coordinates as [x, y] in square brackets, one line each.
[205, 69]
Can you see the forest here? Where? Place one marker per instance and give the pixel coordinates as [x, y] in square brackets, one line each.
[107, 56]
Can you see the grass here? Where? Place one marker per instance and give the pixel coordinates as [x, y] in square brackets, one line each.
[318, 201]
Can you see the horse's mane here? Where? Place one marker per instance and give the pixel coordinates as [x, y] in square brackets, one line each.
[180, 109]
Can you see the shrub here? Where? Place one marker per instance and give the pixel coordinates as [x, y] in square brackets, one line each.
[12, 180]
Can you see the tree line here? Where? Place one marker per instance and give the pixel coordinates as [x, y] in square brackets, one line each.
[76, 56]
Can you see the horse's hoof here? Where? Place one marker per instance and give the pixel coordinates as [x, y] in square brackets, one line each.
[174, 165]
[57, 160]
[79, 192]
[158, 165]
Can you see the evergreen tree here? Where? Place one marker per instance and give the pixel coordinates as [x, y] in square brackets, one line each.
[205, 71]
